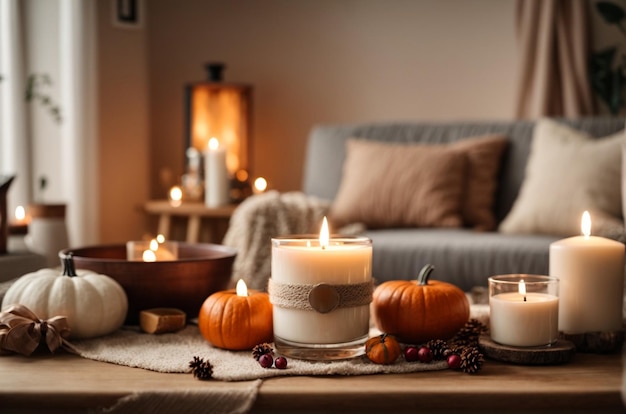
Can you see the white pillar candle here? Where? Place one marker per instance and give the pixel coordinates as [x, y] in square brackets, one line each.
[591, 274]
[216, 180]
[521, 318]
[302, 261]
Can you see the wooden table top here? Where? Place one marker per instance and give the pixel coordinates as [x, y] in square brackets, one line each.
[588, 382]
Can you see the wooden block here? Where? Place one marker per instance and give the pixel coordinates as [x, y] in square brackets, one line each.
[162, 320]
[560, 352]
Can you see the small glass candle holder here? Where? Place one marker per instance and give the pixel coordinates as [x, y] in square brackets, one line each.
[524, 310]
[321, 296]
[151, 251]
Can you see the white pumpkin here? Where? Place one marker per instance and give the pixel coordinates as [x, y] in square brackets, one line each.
[94, 304]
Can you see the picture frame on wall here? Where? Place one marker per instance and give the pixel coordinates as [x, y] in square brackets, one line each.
[128, 14]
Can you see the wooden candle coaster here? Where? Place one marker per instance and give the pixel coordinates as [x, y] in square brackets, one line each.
[560, 352]
[596, 342]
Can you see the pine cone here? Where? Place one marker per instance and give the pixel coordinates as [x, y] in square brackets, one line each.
[262, 349]
[471, 360]
[439, 348]
[469, 333]
[201, 369]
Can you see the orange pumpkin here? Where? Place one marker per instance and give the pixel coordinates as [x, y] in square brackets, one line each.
[382, 349]
[236, 321]
[418, 311]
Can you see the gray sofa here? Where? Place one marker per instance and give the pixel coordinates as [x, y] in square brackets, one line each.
[461, 256]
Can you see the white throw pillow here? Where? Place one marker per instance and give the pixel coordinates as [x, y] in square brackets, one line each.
[568, 172]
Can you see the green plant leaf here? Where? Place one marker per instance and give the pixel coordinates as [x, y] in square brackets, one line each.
[612, 13]
[607, 83]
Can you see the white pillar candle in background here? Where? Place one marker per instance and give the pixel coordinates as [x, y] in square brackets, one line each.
[216, 180]
[301, 261]
[523, 319]
[591, 274]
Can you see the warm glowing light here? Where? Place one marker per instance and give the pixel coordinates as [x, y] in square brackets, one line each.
[242, 175]
[20, 213]
[260, 184]
[522, 287]
[585, 224]
[160, 238]
[242, 289]
[176, 196]
[214, 144]
[154, 245]
[324, 235]
[149, 256]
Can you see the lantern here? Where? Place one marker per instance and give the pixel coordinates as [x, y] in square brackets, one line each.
[223, 110]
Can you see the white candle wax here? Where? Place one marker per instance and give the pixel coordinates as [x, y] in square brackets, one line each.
[215, 175]
[591, 274]
[336, 264]
[516, 322]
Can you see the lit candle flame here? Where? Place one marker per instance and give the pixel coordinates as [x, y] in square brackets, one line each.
[149, 256]
[154, 245]
[176, 196]
[522, 289]
[20, 213]
[214, 144]
[324, 236]
[260, 185]
[242, 289]
[585, 224]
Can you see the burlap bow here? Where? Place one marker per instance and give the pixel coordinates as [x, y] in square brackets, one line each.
[22, 331]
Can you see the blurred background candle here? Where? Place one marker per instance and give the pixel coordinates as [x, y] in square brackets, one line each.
[591, 274]
[216, 180]
[523, 310]
[152, 251]
[259, 186]
[175, 196]
[318, 266]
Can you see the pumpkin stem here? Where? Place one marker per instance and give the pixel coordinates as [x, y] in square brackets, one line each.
[424, 275]
[68, 265]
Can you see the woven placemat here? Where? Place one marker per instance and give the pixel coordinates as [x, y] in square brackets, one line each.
[172, 353]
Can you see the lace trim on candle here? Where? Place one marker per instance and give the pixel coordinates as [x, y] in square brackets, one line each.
[321, 297]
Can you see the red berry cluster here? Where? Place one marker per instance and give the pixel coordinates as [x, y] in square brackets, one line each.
[266, 361]
[264, 354]
[425, 355]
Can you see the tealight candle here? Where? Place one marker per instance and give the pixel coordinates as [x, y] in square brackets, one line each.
[321, 289]
[259, 186]
[151, 251]
[20, 223]
[591, 274]
[523, 310]
[175, 196]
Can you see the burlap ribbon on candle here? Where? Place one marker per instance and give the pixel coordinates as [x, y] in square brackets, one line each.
[22, 331]
[320, 297]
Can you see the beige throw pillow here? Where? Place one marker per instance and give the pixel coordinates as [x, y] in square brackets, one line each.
[484, 155]
[568, 172]
[399, 185]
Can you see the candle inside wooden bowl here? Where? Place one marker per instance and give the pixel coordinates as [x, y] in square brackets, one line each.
[200, 270]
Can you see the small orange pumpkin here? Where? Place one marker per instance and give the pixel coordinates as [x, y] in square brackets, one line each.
[382, 349]
[418, 311]
[236, 321]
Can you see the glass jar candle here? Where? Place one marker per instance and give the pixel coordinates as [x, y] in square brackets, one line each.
[524, 310]
[321, 292]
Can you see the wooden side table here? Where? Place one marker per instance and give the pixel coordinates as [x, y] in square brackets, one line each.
[216, 218]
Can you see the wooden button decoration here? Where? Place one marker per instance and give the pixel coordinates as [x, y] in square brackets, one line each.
[324, 298]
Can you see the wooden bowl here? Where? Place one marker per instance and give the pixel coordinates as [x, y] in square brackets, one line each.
[201, 269]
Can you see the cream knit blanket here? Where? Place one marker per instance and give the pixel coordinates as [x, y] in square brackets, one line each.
[261, 217]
